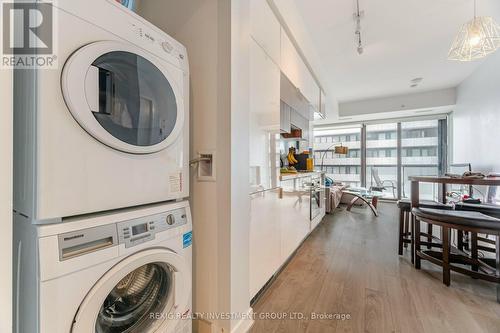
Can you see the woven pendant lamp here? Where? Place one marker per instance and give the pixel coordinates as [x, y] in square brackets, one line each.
[476, 39]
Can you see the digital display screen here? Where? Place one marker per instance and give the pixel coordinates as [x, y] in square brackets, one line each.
[139, 229]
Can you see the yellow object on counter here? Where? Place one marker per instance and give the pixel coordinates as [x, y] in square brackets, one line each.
[310, 164]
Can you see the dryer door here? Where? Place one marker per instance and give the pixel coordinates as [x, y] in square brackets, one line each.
[147, 292]
[124, 97]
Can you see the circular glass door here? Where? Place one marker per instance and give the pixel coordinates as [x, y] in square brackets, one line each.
[124, 97]
[136, 103]
[129, 306]
[146, 292]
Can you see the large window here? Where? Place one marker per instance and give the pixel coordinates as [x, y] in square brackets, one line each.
[420, 155]
[382, 159]
[341, 168]
[390, 154]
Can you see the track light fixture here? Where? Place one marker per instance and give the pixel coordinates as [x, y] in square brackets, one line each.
[358, 15]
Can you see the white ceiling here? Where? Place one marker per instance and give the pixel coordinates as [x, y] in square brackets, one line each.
[403, 39]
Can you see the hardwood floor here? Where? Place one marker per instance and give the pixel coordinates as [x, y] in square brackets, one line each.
[349, 265]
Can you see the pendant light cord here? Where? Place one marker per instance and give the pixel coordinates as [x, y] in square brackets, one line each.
[475, 10]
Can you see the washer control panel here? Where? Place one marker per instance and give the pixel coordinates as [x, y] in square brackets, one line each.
[141, 230]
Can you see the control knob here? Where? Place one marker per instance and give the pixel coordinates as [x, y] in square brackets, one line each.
[170, 219]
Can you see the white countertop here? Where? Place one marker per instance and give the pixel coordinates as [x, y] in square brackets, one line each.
[290, 176]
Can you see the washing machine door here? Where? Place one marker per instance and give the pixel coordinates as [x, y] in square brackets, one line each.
[147, 292]
[124, 97]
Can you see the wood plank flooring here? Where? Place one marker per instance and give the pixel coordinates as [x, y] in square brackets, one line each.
[350, 266]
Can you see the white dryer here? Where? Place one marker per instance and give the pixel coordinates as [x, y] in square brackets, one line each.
[128, 271]
[110, 127]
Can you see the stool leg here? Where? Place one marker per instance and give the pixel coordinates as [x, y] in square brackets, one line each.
[411, 220]
[429, 233]
[473, 250]
[416, 228]
[497, 250]
[460, 240]
[406, 227]
[401, 222]
[446, 256]
[467, 241]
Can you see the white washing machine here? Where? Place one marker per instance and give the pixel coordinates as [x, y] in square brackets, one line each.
[128, 271]
[109, 128]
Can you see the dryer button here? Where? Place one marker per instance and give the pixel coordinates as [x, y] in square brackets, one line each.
[167, 47]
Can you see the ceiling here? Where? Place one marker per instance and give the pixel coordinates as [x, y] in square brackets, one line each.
[403, 40]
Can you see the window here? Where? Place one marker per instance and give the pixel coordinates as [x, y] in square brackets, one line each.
[419, 143]
[381, 167]
[421, 154]
[342, 168]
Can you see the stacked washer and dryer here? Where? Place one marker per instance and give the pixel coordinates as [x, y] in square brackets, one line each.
[103, 230]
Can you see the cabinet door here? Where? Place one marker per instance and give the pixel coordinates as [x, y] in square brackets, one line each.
[290, 60]
[295, 212]
[298, 120]
[264, 90]
[285, 125]
[265, 28]
[265, 238]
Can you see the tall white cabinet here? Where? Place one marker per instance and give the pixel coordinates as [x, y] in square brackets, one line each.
[280, 212]
[264, 125]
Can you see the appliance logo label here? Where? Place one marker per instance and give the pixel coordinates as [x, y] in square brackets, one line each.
[175, 182]
[28, 34]
[187, 239]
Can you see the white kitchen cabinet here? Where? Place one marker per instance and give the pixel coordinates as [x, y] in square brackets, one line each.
[290, 60]
[298, 73]
[264, 89]
[264, 118]
[295, 213]
[285, 114]
[265, 238]
[265, 29]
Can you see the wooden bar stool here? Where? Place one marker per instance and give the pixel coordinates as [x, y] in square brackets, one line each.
[406, 223]
[453, 259]
[487, 209]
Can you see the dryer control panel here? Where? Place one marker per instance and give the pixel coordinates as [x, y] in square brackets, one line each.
[141, 230]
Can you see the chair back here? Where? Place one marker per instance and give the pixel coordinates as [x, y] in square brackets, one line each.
[376, 177]
[491, 195]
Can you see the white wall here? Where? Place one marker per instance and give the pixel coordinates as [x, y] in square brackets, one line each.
[240, 161]
[6, 201]
[213, 32]
[476, 120]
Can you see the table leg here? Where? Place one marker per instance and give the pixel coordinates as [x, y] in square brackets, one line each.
[446, 256]
[416, 241]
[353, 201]
[474, 251]
[497, 250]
[429, 235]
[443, 193]
[415, 233]
[415, 194]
